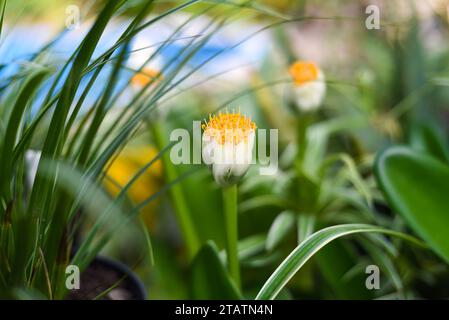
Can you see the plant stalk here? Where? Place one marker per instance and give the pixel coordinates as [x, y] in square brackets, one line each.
[304, 121]
[230, 212]
[177, 196]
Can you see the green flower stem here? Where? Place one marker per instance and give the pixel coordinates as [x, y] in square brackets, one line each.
[230, 212]
[306, 190]
[176, 194]
[304, 121]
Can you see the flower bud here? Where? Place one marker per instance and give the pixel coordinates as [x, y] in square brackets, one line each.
[309, 85]
[227, 146]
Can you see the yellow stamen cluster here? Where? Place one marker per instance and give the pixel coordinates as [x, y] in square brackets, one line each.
[228, 127]
[146, 76]
[303, 72]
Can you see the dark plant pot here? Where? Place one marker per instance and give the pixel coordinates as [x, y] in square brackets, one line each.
[104, 273]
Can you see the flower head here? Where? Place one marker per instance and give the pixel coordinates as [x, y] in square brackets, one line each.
[309, 85]
[228, 141]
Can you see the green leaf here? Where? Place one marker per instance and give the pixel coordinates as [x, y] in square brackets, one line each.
[309, 247]
[350, 170]
[413, 69]
[53, 140]
[416, 186]
[427, 139]
[305, 225]
[281, 226]
[335, 261]
[24, 97]
[247, 247]
[147, 240]
[385, 262]
[209, 278]
[2, 14]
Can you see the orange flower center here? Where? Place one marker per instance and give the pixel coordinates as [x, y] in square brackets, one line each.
[229, 127]
[303, 72]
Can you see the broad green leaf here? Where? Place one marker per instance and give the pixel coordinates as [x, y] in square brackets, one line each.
[308, 248]
[281, 226]
[209, 278]
[416, 186]
[426, 138]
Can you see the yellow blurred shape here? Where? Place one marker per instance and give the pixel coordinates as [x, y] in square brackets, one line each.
[146, 76]
[387, 124]
[123, 169]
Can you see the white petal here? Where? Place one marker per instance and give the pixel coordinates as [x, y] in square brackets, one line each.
[309, 96]
[207, 149]
[222, 174]
[229, 161]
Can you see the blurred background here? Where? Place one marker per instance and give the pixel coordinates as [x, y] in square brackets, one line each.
[381, 82]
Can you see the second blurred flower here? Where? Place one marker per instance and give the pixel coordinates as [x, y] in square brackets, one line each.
[309, 85]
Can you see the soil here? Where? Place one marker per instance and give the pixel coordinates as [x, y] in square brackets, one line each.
[99, 277]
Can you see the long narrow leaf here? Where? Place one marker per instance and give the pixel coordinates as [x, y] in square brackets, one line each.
[302, 253]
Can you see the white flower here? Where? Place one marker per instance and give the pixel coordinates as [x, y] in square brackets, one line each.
[227, 147]
[309, 85]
